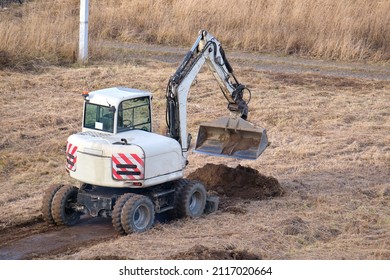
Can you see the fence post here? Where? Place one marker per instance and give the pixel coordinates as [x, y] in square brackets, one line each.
[83, 39]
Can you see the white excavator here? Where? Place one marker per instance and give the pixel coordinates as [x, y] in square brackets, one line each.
[130, 174]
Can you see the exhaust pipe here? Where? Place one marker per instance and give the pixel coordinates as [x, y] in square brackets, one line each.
[230, 137]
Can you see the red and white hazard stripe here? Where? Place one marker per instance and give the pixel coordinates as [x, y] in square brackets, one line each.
[71, 156]
[127, 166]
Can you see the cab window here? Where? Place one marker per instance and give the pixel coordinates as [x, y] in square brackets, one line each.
[134, 114]
[98, 117]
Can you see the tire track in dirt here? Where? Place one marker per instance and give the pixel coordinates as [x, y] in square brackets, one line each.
[19, 231]
[37, 240]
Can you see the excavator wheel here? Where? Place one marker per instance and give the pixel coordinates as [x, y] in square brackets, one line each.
[178, 185]
[137, 214]
[62, 209]
[117, 212]
[47, 203]
[191, 200]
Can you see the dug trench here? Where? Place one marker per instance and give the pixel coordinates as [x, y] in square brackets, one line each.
[232, 185]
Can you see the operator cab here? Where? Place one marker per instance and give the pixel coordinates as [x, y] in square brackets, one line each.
[116, 110]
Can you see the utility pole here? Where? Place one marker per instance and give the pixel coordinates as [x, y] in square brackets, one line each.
[83, 39]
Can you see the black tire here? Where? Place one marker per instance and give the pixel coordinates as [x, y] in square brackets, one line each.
[62, 207]
[178, 185]
[191, 200]
[117, 212]
[47, 202]
[137, 214]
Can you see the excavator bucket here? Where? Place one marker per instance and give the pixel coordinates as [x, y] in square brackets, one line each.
[230, 137]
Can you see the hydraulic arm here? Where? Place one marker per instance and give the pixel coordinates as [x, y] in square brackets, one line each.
[208, 49]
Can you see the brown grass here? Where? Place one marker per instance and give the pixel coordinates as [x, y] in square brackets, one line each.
[351, 29]
[330, 151]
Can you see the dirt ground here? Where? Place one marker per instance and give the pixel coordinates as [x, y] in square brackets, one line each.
[320, 191]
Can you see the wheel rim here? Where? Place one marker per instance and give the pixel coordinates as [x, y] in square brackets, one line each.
[195, 202]
[141, 217]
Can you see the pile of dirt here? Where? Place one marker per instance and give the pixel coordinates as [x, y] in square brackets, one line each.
[199, 252]
[240, 182]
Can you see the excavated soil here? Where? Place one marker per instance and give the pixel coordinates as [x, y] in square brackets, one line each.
[199, 252]
[240, 182]
[235, 143]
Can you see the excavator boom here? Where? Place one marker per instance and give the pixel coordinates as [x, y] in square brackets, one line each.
[228, 136]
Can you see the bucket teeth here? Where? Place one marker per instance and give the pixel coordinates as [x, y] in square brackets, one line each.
[230, 137]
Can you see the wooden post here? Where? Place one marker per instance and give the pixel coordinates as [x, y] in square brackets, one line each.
[83, 39]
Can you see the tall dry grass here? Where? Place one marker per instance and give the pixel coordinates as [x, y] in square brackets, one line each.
[39, 30]
[349, 29]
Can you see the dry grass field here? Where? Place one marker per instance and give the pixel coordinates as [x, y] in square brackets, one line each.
[46, 31]
[329, 134]
[330, 152]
